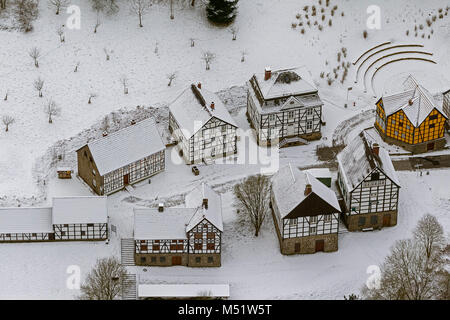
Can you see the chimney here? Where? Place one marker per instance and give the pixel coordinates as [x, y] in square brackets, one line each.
[161, 207]
[199, 85]
[133, 122]
[212, 105]
[205, 203]
[376, 149]
[267, 73]
[105, 133]
[308, 189]
[410, 102]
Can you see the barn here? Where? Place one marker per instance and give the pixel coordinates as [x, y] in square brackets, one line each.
[122, 158]
[412, 119]
[202, 126]
[80, 218]
[368, 184]
[284, 107]
[189, 236]
[25, 224]
[305, 212]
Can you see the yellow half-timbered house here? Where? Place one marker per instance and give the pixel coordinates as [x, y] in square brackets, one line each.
[413, 119]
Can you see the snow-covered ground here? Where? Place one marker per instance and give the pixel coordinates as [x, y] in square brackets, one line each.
[265, 33]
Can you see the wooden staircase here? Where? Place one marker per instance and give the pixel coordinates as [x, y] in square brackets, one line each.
[127, 249]
[129, 287]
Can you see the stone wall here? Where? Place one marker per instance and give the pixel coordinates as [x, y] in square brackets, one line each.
[353, 222]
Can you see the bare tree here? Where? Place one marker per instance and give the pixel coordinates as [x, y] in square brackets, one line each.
[2, 4]
[124, 82]
[107, 53]
[208, 57]
[35, 53]
[156, 50]
[243, 54]
[6, 96]
[105, 281]
[91, 96]
[59, 5]
[24, 13]
[171, 77]
[38, 85]
[140, 8]
[76, 67]
[234, 31]
[7, 121]
[429, 233]
[60, 33]
[51, 109]
[192, 40]
[105, 124]
[252, 197]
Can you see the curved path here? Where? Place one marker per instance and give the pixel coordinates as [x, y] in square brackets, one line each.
[389, 48]
[396, 60]
[390, 55]
[373, 48]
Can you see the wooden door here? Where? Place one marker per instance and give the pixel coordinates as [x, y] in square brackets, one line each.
[176, 261]
[126, 179]
[430, 146]
[297, 247]
[320, 245]
[386, 220]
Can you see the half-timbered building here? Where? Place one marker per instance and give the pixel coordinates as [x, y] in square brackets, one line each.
[25, 224]
[80, 218]
[189, 236]
[446, 104]
[122, 158]
[305, 212]
[202, 126]
[284, 107]
[412, 119]
[70, 218]
[368, 184]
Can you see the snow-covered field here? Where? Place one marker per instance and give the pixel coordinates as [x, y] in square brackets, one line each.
[254, 267]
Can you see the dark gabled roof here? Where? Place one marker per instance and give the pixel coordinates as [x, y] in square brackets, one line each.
[312, 205]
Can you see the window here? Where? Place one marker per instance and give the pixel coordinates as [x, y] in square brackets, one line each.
[403, 136]
[313, 219]
[309, 125]
[83, 233]
[224, 129]
[293, 222]
[143, 260]
[34, 234]
[407, 127]
[144, 247]
[162, 259]
[400, 124]
[309, 112]
[63, 233]
[198, 246]
[373, 220]
[361, 221]
[392, 121]
[401, 117]
[210, 259]
[396, 133]
[198, 259]
[210, 246]
[375, 176]
[312, 230]
[327, 218]
[431, 126]
[213, 139]
[153, 259]
[291, 114]
[271, 117]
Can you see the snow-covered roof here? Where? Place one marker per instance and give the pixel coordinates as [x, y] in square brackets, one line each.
[126, 146]
[26, 220]
[183, 290]
[168, 224]
[416, 102]
[357, 161]
[285, 82]
[288, 186]
[72, 210]
[192, 110]
[213, 213]
[320, 172]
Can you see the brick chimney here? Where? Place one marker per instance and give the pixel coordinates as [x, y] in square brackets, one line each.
[410, 102]
[161, 207]
[199, 85]
[105, 133]
[133, 122]
[308, 189]
[376, 149]
[205, 203]
[267, 73]
[212, 105]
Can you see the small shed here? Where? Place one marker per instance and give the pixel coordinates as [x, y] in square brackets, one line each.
[322, 174]
[64, 172]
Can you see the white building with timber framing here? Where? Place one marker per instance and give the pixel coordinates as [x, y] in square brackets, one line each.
[202, 126]
[369, 185]
[284, 107]
[305, 212]
[70, 218]
[189, 236]
[122, 158]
